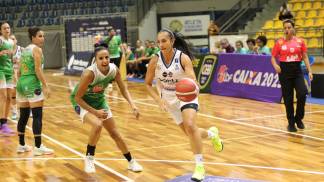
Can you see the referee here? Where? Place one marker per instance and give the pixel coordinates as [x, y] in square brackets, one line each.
[290, 51]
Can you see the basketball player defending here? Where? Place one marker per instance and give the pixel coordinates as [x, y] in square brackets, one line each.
[89, 102]
[171, 64]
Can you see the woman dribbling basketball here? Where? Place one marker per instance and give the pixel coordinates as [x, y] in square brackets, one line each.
[170, 65]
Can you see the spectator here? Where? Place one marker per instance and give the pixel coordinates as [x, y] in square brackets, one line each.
[213, 28]
[113, 41]
[262, 47]
[240, 49]
[130, 60]
[251, 45]
[218, 48]
[225, 45]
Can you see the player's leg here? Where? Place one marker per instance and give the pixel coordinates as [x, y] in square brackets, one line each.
[110, 126]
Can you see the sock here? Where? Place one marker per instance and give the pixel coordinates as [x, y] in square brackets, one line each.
[128, 156]
[3, 121]
[21, 126]
[21, 139]
[198, 159]
[90, 150]
[210, 134]
[38, 141]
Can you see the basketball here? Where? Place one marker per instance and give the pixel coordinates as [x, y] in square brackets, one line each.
[186, 90]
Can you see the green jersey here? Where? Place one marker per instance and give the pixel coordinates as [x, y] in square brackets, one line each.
[139, 52]
[6, 65]
[27, 62]
[95, 94]
[113, 46]
[28, 83]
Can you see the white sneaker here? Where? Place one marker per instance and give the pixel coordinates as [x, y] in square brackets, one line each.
[42, 150]
[134, 166]
[23, 148]
[14, 115]
[89, 166]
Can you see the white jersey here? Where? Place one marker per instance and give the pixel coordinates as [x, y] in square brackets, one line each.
[100, 77]
[168, 75]
[16, 57]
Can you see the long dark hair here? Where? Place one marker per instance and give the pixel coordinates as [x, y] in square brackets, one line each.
[97, 47]
[179, 42]
[32, 32]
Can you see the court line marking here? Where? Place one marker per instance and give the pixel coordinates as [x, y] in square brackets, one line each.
[274, 116]
[223, 119]
[173, 161]
[228, 140]
[81, 155]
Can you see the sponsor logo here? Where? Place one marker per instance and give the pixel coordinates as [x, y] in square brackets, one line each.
[247, 77]
[206, 70]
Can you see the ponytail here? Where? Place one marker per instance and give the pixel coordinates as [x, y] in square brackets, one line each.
[179, 42]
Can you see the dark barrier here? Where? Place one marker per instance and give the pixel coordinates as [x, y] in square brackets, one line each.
[80, 34]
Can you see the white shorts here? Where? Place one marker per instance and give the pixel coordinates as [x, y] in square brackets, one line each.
[82, 112]
[175, 105]
[35, 98]
[6, 84]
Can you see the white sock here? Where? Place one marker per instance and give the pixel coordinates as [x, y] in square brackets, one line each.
[210, 134]
[198, 159]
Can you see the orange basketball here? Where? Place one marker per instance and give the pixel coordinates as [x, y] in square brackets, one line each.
[186, 90]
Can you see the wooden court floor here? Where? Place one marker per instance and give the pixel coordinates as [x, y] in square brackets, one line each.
[257, 146]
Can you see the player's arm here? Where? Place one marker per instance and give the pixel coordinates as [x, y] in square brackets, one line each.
[3, 52]
[188, 68]
[124, 91]
[37, 54]
[150, 74]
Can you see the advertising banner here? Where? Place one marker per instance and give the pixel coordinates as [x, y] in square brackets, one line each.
[246, 76]
[80, 38]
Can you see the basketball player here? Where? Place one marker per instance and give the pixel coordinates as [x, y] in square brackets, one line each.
[6, 77]
[31, 89]
[168, 66]
[89, 102]
[15, 58]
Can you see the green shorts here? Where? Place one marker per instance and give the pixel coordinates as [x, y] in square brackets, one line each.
[29, 89]
[6, 81]
[102, 104]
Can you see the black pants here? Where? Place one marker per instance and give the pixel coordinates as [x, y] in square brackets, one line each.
[116, 61]
[291, 77]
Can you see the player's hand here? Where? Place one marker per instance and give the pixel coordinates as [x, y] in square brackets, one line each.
[46, 91]
[163, 105]
[277, 68]
[136, 112]
[310, 76]
[102, 113]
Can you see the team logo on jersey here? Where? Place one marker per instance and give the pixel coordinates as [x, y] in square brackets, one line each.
[292, 50]
[170, 74]
[164, 74]
[97, 88]
[284, 47]
[177, 67]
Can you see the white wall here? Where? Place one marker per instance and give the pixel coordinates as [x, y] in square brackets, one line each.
[195, 6]
[148, 27]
